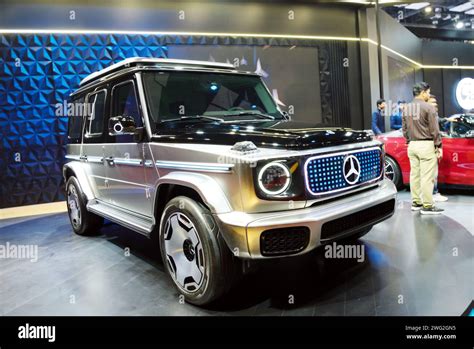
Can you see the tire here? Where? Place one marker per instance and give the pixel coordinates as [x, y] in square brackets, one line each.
[392, 172]
[82, 221]
[194, 254]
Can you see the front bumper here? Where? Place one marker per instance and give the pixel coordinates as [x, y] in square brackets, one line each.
[242, 231]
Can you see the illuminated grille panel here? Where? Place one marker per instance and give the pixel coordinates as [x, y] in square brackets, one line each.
[326, 174]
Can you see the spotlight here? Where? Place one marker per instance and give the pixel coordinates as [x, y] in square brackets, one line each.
[428, 9]
[459, 25]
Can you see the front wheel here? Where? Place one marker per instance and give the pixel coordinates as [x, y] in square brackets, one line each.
[392, 172]
[194, 254]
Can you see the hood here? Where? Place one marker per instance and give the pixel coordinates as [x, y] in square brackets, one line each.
[284, 134]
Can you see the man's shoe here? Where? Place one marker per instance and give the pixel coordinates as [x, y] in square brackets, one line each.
[431, 210]
[439, 198]
[416, 207]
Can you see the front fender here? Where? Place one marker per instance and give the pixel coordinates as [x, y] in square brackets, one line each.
[207, 187]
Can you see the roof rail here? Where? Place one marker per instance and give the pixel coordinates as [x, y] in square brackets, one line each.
[152, 61]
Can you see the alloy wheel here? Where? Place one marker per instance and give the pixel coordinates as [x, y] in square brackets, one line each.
[184, 252]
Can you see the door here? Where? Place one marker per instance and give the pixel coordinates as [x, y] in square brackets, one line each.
[124, 157]
[92, 155]
[457, 165]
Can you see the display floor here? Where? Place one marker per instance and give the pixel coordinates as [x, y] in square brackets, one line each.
[414, 265]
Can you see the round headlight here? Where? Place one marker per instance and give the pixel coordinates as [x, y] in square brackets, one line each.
[274, 178]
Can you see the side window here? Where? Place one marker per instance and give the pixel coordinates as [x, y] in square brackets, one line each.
[75, 120]
[96, 104]
[125, 102]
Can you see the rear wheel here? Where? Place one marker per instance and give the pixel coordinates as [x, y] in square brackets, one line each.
[392, 172]
[194, 254]
[83, 222]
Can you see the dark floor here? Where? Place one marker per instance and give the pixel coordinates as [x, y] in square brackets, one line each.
[411, 268]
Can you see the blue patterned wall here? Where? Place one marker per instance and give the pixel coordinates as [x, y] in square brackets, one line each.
[36, 72]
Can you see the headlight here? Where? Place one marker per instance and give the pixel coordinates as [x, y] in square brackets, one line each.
[274, 178]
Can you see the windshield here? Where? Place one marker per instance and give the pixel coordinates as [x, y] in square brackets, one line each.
[458, 125]
[174, 95]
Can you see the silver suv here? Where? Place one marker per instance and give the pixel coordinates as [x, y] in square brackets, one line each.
[199, 156]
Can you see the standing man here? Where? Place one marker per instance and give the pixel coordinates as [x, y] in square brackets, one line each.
[378, 122]
[396, 118]
[421, 130]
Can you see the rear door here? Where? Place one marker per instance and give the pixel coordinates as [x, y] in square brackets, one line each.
[92, 154]
[457, 165]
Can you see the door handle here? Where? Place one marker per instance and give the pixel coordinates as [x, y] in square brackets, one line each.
[110, 160]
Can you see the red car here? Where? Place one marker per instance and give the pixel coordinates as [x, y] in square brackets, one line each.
[456, 169]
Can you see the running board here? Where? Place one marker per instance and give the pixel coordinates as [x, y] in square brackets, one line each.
[138, 223]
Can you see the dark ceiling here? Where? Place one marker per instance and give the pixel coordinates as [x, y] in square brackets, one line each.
[434, 19]
[448, 20]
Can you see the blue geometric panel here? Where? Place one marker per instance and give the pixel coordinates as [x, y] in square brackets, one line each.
[36, 72]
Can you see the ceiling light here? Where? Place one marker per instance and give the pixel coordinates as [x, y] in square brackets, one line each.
[459, 25]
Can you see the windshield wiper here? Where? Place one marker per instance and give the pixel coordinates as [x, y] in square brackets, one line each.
[254, 113]
[193, 117]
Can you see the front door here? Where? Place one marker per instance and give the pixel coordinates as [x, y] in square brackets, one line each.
[124, 157]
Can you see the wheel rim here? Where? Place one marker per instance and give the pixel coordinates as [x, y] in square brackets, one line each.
[74, 207]
[184, 252]
[389, 171]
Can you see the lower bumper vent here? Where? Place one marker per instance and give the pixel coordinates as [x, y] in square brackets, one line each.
[284, 241]
[357, 221]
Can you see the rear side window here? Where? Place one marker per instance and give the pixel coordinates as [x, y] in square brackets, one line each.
[95, 124]
[75, 120]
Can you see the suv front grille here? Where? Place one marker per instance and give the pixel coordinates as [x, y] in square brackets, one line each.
[357, 221]
[284, 241]
[327, 174]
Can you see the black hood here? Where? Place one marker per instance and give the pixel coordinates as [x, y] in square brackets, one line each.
[263, 133]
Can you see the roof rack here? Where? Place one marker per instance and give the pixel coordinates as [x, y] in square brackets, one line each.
[152, 61]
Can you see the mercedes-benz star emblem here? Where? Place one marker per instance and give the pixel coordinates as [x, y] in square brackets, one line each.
[351, 169]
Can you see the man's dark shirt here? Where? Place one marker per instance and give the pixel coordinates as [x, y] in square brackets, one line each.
[420, 122]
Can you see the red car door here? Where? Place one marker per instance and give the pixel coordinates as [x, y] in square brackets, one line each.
[457, 165]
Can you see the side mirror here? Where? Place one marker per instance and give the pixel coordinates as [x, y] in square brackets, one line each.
[122, 125]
